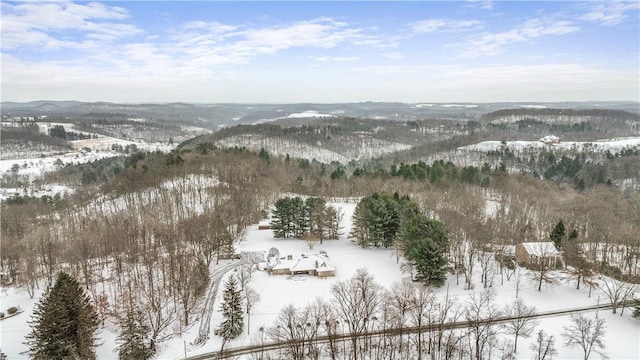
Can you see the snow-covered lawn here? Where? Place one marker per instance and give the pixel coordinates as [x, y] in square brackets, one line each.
[276, 291]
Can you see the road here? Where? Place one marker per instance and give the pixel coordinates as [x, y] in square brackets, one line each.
[246, 350]
[207, 309]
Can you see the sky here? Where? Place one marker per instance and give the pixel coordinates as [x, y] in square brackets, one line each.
[320, 52]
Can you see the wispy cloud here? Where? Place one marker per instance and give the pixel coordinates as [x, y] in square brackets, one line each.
[114, 56]
[333, 58]
[495, 43]
[215, 43]
[389, 69]
[610, 13]
[41, 24]
[442, 25]
[476, 4]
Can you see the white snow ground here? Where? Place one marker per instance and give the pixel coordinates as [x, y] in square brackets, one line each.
[612, 145]
[276, 291]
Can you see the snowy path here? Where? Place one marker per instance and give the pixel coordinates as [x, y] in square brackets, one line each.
[207, 309]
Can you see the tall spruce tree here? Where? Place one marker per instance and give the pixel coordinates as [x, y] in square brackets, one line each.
[282, 220]
[299, 217]
[64, 323]
[317, 223]
[636, 309]
[360, 230]
[134, 338]
[557, 234]
[233, 323]
[425, 244]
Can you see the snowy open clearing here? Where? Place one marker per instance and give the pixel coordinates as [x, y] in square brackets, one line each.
[276, 291]
[612, 145]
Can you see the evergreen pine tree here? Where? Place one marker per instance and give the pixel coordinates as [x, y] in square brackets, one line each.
[281, 224]
[232, 312]
[557, 234]
[573, 235]
[64, 323]
[134, 338]
[299, 217]
[316, 219]
[425, 244]
[360, 230]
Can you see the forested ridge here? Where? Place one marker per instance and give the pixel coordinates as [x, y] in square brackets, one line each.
[604, 114]
[155, 222]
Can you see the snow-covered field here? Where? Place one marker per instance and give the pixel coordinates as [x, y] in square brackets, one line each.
[612, 145]
[276, 291]
[309, 114]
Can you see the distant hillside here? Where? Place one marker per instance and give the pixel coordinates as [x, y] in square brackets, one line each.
[216, 115]
[327, 140]
[559, 116]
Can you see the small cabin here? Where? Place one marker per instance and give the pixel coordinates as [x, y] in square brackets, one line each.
[536, 253]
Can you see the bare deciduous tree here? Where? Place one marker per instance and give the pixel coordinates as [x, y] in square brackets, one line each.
[586, 333]
[356, 301]
[481, 312]
[251, 297]
[287, 329]
[243, 275]
[616, 291]
[421, 308]
[521, 323]
[400, 300]
[545, 263]
[544, 348]
[580, 268]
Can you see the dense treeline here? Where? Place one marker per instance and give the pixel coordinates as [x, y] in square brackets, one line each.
[438, 172]
[359, 306]
[32, 134]
[384, 220]
[604, 114]
[378, 219]
[299, 218]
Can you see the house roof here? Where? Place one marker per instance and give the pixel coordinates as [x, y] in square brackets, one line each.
[306, 262]
[541, 249]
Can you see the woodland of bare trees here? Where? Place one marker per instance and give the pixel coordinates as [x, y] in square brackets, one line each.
[380, 323]
[146, 248]
[147, 240]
